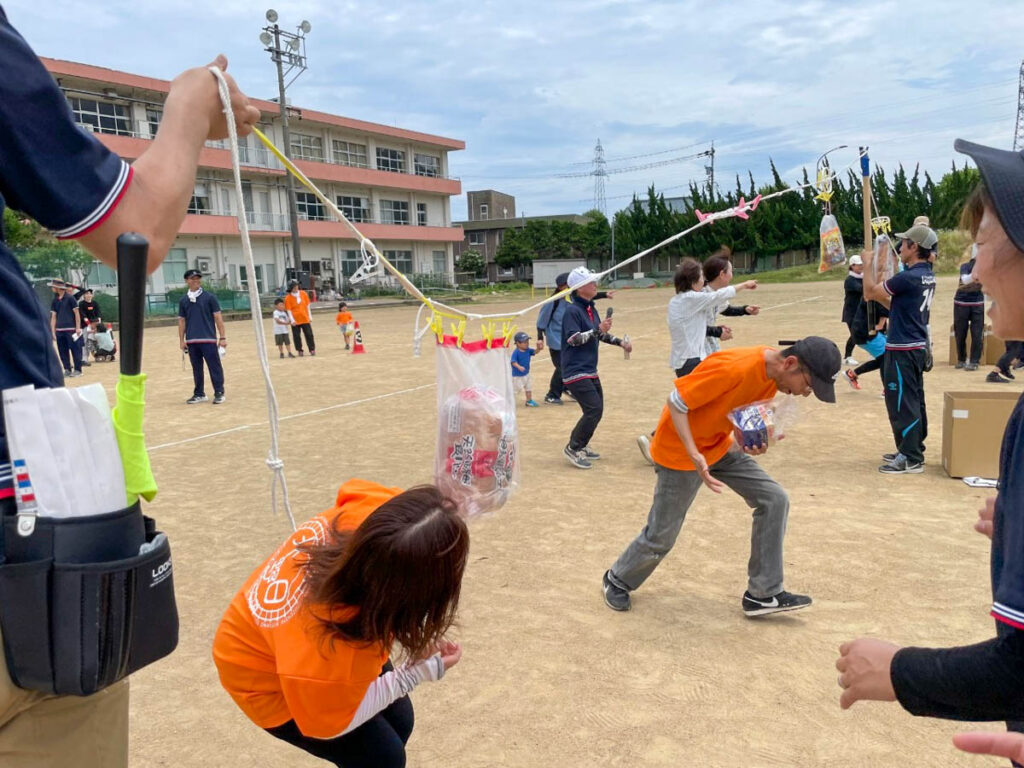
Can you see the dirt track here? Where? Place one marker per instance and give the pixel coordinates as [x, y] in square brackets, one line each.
[550, 676]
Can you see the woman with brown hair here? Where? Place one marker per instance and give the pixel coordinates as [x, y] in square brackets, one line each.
[304, 647]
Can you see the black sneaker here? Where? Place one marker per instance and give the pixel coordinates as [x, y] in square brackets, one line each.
[1006, 372]
[784, 601]
[889, 458]
[576, 458]
[589, 454]
[552, 400]
[971, 367]
[960, 364]
[218, 398]
[994, 377]
[901, 465]
[196, 399]
[615, 597]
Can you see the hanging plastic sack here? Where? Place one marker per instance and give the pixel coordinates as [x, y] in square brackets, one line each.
[885, 259]
[763, 423]
[833, 251]
[477, 457]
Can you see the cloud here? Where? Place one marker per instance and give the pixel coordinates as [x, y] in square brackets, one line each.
[531, 86]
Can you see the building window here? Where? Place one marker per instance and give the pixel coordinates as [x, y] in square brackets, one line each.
[243, 278]
[390, 160]
[476, 238]
[483, 212]
[307, 147]
[440, 261]
[153, 117]
[394, 212]
[421, 214]
[101, 116]
[348, 153]
[313, 267]
[200, 202]
[174, 266]
[400, 260]
[427, 165]
[354, 208]
[100, 274]
[309, 207]
[350, 262]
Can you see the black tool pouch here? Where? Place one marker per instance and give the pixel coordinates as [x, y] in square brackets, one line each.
[80, 608]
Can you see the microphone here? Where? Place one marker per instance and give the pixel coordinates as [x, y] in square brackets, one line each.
[608, 313]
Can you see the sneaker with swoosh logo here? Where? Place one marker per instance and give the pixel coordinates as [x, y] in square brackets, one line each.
[783, 601]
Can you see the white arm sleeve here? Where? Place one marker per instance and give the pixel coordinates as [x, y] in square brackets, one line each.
[393, 685]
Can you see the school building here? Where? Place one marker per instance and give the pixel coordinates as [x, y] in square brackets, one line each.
[393, 183]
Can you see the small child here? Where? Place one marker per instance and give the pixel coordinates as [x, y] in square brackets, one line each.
[282, 324]
[521, 365]
[105, 347]
[344, 321]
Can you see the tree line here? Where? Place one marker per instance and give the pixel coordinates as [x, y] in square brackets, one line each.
[787, 223]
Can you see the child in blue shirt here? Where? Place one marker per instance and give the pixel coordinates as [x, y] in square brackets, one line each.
[521, 365]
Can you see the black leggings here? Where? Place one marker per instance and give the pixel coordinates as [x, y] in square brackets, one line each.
[555, 388]
[968, 317]
[850, 343]
[871, 365]
[377, 743]
[590, 396]
[307, 331]
[1014, 351]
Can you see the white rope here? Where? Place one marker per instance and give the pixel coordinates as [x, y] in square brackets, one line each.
[274, 461]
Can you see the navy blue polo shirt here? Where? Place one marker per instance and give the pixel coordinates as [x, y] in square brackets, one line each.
[199, 325]
[1008, 531]
[59, 175]
[64, 307]
[912, 292]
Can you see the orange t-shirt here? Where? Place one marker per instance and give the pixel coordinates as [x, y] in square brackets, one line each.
[723, 381]
[300, 311]
[343, 318]
[270, 651]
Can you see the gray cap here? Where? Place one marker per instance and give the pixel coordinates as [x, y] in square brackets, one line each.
[924, 236]
[823, 362]
[1003, 173]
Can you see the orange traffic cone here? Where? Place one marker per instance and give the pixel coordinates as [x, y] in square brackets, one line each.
[357, 345]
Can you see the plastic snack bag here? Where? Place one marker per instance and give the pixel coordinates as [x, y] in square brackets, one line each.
[832, 249]
[477, 457]
[764, 422]
[885, 259]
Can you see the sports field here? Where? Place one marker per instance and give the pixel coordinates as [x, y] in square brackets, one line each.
[550, 676]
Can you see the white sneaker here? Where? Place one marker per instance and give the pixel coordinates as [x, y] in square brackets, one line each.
[852, 362]
[644, 443]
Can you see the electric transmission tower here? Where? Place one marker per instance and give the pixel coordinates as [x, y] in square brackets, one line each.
[599, 174]
[1018, 134]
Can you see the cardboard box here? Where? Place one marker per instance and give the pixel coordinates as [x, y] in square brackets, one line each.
[972, 431]
[992, 349]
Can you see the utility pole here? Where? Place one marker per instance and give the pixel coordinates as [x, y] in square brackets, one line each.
[294, 53]
[1018, 134]
[599, 175]
[710, 170]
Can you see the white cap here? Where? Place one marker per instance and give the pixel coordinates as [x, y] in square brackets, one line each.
[580, 276]
[855, 260]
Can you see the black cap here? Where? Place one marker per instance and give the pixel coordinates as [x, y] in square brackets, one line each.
[192, 273]
[521, 336]
[562, 279]
[822, 360]
[1003, 172]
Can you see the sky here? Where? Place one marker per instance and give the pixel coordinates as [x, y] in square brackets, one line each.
[531, 86]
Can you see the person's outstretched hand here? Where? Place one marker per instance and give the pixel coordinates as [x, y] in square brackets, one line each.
[1009, 745]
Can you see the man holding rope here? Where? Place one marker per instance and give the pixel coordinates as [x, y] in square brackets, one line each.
[76, 187]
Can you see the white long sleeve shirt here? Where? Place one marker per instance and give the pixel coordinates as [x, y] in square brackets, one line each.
[688, 322]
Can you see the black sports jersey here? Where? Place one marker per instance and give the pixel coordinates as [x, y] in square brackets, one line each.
[912, 292]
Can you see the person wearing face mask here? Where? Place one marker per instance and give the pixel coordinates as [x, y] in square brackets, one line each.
[981, 681]
[694, 445]
[297, 302]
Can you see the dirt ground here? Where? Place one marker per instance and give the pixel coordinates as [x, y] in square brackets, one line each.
[550, 676]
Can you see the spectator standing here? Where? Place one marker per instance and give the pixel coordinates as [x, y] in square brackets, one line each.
[521, 355]
[968, 314]
[282, 325]
[66, 328]
[201, 333]
[853, 294]
[549, 322]
[297, 303]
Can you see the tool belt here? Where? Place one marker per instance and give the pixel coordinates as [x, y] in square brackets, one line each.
[80, 607]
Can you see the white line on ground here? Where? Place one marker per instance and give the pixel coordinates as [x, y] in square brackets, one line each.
[292, 416]
[791, 303]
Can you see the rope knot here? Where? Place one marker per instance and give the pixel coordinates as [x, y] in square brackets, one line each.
[275, 464]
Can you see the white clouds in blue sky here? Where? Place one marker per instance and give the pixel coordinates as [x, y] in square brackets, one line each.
[530, 86]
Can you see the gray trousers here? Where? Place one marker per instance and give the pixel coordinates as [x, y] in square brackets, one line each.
[673, 495]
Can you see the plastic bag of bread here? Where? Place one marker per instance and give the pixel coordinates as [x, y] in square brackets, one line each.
[477, 457]
[763, 423]
[832, 248]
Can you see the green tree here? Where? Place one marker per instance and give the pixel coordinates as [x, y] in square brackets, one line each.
[42, 255]
[470, 261]
[596, 237]
[513, 251]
